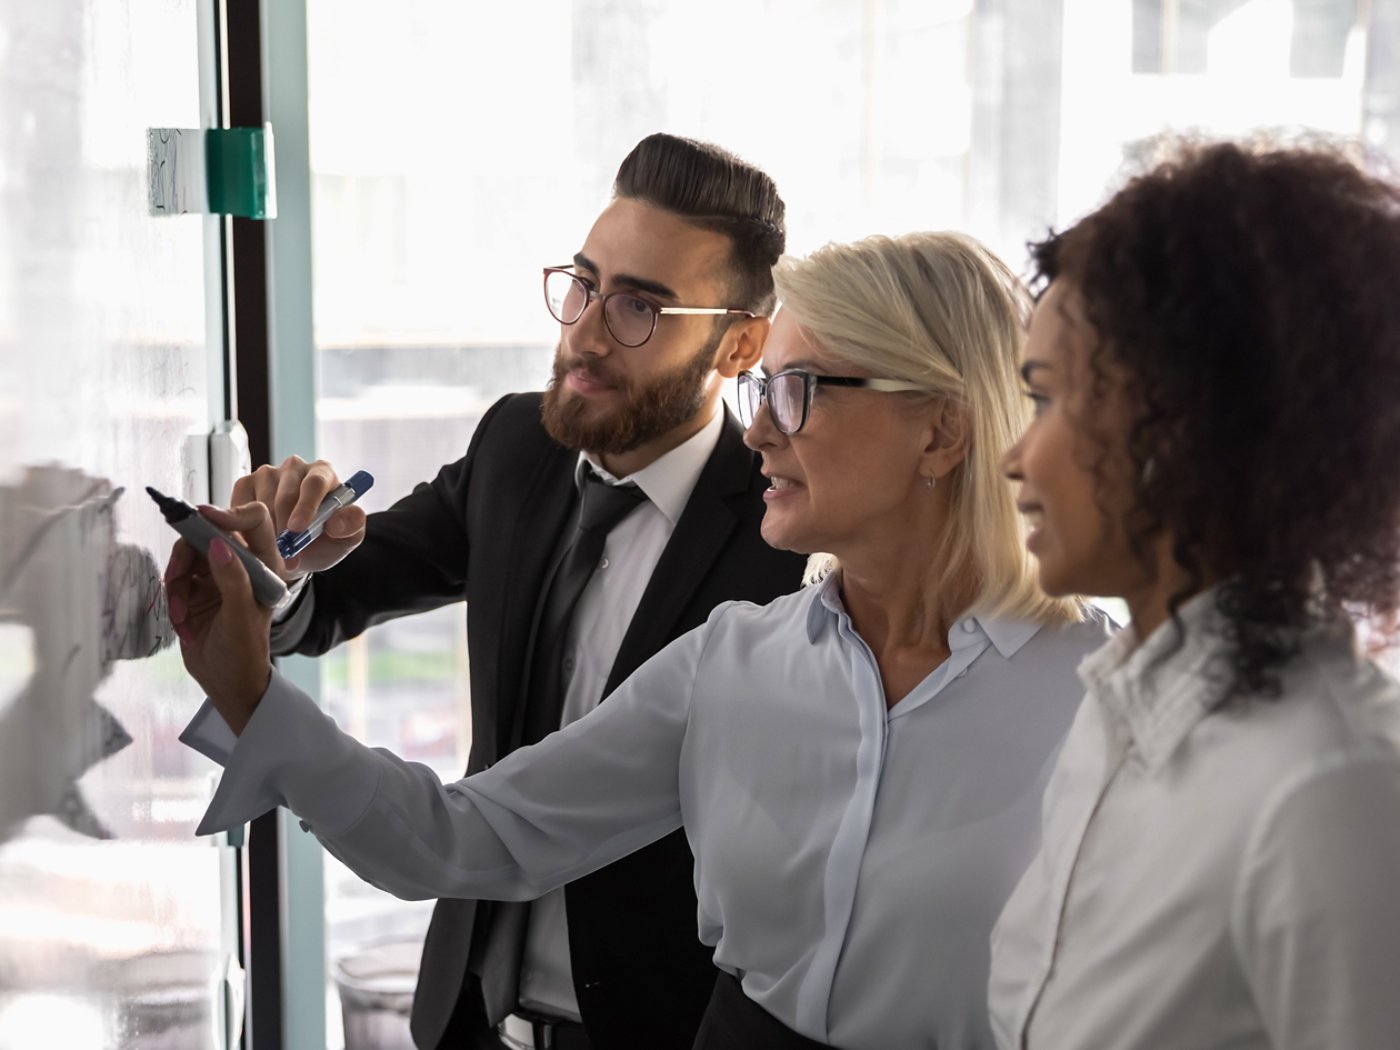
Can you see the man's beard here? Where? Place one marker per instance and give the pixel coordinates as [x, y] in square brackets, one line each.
[656, 408]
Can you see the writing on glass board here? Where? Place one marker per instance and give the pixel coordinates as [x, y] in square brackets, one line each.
[73, 601]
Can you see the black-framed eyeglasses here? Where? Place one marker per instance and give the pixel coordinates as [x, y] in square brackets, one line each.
[630, 318]
[789, 394]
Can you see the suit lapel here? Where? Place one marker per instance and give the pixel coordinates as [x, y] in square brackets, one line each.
[698, 539]
[535, 539]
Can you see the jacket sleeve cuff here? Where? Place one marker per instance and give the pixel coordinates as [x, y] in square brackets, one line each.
[290, 623]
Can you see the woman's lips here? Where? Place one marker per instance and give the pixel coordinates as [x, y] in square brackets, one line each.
[780, 487]
[1035, 518]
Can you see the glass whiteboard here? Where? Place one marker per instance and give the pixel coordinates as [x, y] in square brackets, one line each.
[115, 926]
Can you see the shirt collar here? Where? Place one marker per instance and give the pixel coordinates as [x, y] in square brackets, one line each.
[1005, 634]
[825, 607]
[1161, 689]
[669, 480]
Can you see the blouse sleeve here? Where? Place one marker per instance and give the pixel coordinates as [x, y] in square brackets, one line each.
[545, 815]
[1317, 910]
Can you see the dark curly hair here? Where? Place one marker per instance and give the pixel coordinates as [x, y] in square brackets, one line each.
[1252, 296]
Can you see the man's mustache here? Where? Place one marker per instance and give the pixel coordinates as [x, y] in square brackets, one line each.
[589, 367]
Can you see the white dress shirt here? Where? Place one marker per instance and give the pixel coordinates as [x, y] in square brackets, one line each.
[600, 620]
[1212, 878]
[850, 858]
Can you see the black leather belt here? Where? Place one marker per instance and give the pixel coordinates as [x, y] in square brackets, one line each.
[526, 1030]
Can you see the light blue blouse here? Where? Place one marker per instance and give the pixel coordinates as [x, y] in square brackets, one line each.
[850, 861]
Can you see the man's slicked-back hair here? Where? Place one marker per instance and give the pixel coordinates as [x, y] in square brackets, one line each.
[714, 190]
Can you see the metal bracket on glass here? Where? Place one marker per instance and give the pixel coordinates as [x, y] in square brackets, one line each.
[235, 996]
[211, 171]
[229, 459]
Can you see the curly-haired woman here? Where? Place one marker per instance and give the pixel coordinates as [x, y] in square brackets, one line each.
[1215, 367]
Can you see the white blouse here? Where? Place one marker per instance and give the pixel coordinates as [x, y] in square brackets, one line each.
[1212, 878]
[849, 860]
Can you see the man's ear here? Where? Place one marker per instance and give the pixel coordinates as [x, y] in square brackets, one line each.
[950, 438]
[742, 346]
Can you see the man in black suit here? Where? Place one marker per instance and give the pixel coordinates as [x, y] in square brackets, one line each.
[670, 294]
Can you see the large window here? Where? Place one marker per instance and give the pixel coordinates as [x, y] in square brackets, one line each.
[457, 148]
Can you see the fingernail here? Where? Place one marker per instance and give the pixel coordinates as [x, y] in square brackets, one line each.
[177, 610]
[182, 632]
[219, 552]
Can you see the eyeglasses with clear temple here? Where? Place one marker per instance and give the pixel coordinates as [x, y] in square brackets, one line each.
[629, 318]
[789, 394]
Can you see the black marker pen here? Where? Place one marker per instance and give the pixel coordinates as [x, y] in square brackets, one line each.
[268, 587]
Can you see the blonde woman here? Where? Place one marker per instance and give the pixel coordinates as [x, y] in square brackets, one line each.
[857, 766]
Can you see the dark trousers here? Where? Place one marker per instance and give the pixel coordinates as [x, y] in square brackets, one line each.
[733, 1021]
[468, 1030]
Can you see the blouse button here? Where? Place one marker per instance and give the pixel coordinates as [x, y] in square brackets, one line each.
[970, 625]
[603, 564]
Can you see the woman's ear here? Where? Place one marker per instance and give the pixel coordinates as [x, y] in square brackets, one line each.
[949, 438]
[742, 346]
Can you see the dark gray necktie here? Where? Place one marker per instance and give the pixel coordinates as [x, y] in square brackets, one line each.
[601, 507]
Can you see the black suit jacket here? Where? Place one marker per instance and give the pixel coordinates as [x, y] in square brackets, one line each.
[485, 530]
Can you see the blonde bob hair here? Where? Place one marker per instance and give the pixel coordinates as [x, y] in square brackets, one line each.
[940, 311]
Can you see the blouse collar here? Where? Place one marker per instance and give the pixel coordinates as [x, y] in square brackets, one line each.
[1007, 635]
[1162, 688]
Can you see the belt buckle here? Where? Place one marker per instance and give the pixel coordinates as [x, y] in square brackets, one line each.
[517, 1033]
[523, 1032]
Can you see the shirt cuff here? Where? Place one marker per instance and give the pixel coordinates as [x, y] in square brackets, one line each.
[290, 754]
[209, 734]
[283, 608]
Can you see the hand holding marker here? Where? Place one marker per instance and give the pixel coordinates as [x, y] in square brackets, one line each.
[290, 544]
[268, 587]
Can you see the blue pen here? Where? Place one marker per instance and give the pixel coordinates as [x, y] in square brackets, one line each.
[291, 543]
